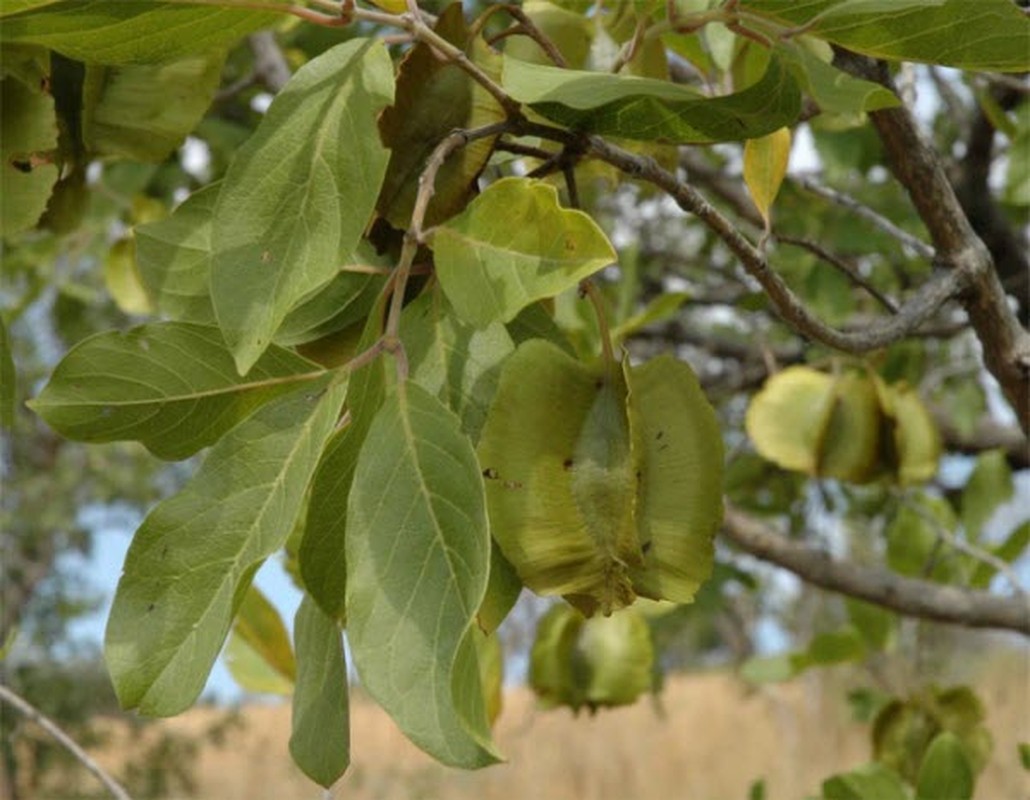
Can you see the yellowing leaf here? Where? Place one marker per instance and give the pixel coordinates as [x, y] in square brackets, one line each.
[123, 279]
[765, 165]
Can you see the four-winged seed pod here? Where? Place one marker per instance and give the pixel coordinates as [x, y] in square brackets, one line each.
[603, 483]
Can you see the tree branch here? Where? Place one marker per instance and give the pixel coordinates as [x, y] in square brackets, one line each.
[918, 167]
[24, 707]
[908, 596]
[919, 307]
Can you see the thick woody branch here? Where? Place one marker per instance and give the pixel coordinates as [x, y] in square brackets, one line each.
[918, 167]
[908, 596]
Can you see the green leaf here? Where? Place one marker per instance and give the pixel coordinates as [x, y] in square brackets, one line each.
[490, 656]
[876, 624]
[1024, 755]
[868, 782]
[145, 111]
[679, 490]
[173, 386]
[835, 647]
[913, 536]
[259, 625]
[989, 486]
[452, 360]
[654, 110]
[322, 554]
[320, 740]
[834, 91]
[491, 269]
[434, 98]
[195, 554]
[663, 307]
[945, 771]
[8, 379]
[174, 258]
[502, 591]
[299, 194]
[131, 31]
[417, 565]
[28, 138]
[993, 32]
[122, 280]
[1009, 550]
[11, 7]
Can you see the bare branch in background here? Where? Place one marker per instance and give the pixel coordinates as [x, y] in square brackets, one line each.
[26, 709]
[914, 598]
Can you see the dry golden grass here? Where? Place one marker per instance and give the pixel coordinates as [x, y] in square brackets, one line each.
[709, 740]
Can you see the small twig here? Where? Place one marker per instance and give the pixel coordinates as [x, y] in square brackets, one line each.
[840, 264]
[527, 27]
[414, 235]
[628, 51]
[920, 307]
[414, 24]
[970, 549]
[866, 213]
[520, 149]
[25, 708]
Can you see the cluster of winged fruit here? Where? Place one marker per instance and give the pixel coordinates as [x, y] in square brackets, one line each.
[603, 483]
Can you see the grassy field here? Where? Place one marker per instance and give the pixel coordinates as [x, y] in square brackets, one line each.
[708, 739]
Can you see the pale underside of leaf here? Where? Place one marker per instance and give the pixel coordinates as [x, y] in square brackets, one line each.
[417, 563]
[299, 194]
[195, 553]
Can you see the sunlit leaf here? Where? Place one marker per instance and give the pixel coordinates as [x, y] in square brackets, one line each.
[195, 553]
[299, 194]
[123, 280]
[417, 565]
[320, 739]
[172, 386]
[258, 654]
[491, 269]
